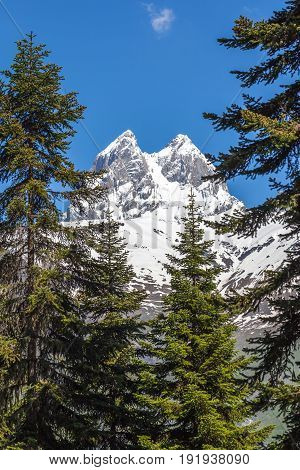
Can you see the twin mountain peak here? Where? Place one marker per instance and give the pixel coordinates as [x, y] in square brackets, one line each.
[148, 192]
[142, 181]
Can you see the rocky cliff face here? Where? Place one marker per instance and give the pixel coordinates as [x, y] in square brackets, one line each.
[148, 192]
[140, 182]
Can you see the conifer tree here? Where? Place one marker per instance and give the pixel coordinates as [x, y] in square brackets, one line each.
[112, 351]
[269, 143]
[194, 394]
[39, 270]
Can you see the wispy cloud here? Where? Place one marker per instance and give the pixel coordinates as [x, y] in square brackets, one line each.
[161, 19]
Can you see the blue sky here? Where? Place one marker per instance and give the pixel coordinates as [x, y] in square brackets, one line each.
[149, 67]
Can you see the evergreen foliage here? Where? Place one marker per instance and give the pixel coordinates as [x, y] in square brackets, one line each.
[38, 270]
[194, 395]
[269, 138]
[112, 352]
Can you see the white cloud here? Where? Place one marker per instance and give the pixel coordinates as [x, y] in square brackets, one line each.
[161, 20]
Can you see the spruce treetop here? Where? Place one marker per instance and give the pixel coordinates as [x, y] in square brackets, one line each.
[192, 391]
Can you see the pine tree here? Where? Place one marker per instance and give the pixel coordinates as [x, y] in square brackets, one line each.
[194, 393]
[112, 351]
[39, 272]
[276, 353]
[269, 131]
[269, 143]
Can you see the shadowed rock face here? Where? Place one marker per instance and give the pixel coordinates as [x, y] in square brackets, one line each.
[181, 161]
[148, 192]
[124, 158]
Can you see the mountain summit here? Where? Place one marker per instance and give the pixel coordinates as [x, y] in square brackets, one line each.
[142, 182]
[148, 192]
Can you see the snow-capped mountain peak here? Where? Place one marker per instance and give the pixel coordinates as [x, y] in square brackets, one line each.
[148, 192]
[128, 134]
[179, 140]
[183, 162]
[125, 146]
[140, 182]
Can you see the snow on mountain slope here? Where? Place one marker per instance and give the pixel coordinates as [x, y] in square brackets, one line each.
[141, 182]
[147, 193]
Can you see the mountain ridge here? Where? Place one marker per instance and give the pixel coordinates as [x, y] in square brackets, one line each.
[147, 193]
